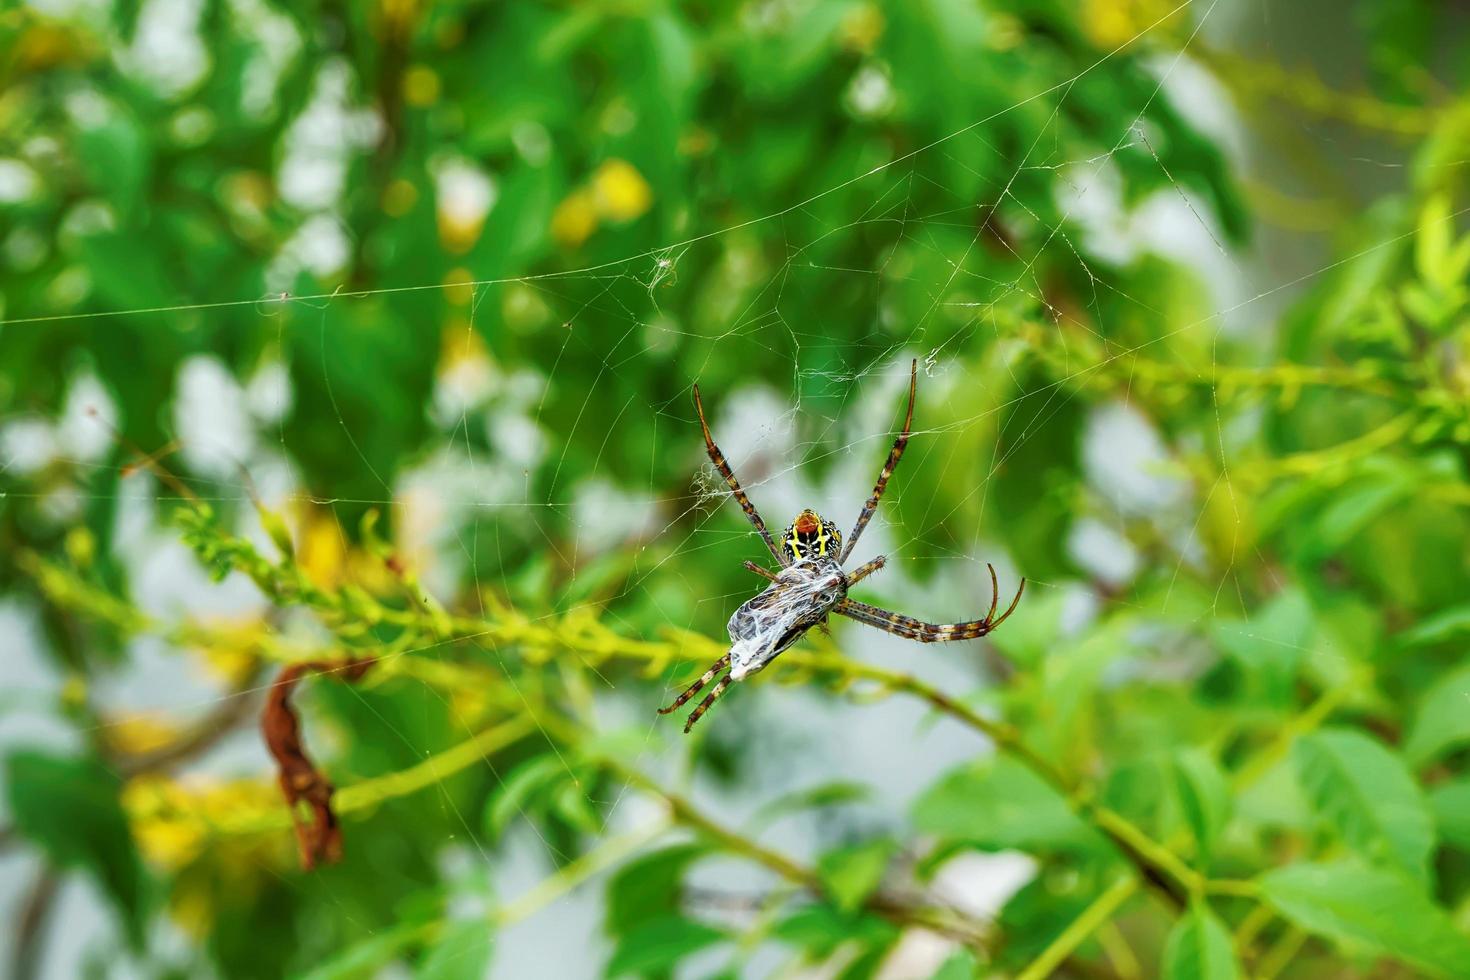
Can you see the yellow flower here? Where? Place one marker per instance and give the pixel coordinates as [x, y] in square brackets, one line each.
[81, 546]
[397, 17]
[575, 218]
[420, 86]
[168, 834]
[1109, 23]
[621, 192]
[231, 650]
[139, 734]
[323, 548]
[169, 843]
[617, 192]
[460, 344]
[861, 28]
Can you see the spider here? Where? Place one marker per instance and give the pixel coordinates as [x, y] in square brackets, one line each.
[811, 583]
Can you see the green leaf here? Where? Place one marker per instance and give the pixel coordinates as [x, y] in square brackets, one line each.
[851, 874]
[1443, 718]
[115, 153]
[1072, 676]
[1361, 788]
[1352, 509]
[820, 929]
[366, 958]
[516, 790]
[960, 966]
[573, 806]
[1448, 624]
[659, 944]
[1450, 803]
[1000, 804]
[1434, 239]
[648, 888]
[1204, 796]
[69, 808]
[1270, 646]
[822, 795]
[1199, 948]
[125, 275]
[461, 951]
[1034, 629]
[1039, 912]
[1376, 910]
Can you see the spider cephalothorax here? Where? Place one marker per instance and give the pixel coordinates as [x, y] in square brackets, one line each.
[812, 584]
[811, 536]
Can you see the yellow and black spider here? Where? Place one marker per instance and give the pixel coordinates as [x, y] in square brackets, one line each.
[811, 583]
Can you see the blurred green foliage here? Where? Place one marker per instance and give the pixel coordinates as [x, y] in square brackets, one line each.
[507, 238]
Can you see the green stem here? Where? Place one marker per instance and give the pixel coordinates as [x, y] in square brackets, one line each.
[1146, 852]
[1281, 953]
[1232, 888]
[434, 769]
[1094, 917]
[610, 852]
[1294, 728]
[899, 911]
[687, 814]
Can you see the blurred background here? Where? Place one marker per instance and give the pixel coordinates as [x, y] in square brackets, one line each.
[335, 331]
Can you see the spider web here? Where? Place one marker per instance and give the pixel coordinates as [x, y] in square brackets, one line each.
[511, 432]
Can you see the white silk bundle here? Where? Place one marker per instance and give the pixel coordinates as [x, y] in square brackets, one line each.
[800, 598]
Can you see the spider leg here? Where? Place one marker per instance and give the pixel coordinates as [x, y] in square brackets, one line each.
[889, 622]
[718, 458]
[709, 699]
[894, 455]
[863, 571]
[915, 629]
[698, 685]
[995, 590]
[764, 573]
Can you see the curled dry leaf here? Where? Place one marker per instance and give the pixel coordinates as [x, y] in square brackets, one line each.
[320, 840]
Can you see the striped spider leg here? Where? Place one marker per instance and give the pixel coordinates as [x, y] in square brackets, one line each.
[696, 687]
[894, 455]
[721, 464]
[853, 578]
[914, 629]
[899, 625]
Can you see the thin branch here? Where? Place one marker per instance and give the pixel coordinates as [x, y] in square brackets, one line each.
[1281, 953]
[1096, 915]
[233, 708]
[360, 796]
[31, 923]
[605, 855]
[947, 922]
[1259, 80]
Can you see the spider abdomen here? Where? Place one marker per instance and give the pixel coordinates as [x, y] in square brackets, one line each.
[766, 626]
